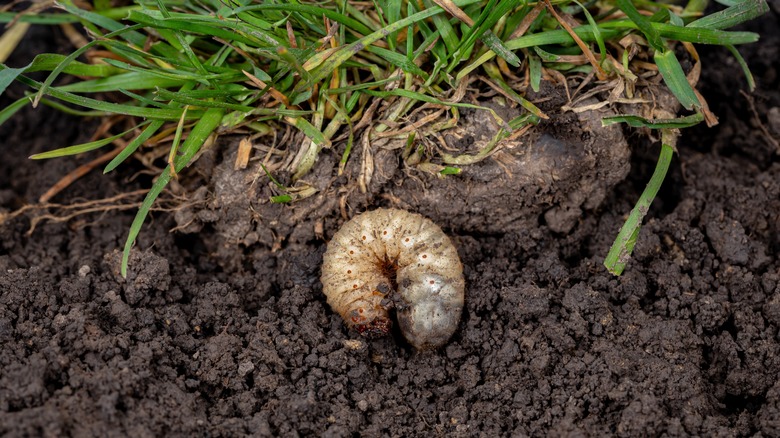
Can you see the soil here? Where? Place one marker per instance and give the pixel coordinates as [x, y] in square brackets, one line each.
[216, 334]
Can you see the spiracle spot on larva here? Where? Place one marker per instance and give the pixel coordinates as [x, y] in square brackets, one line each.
[398, 260]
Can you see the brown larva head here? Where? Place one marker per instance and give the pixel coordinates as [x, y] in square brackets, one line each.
[368, 319]
[376, 328]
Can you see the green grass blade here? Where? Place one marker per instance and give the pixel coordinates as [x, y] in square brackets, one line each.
[271, 177]
[703, 3]
[410, 55]
[134, 80]
[621, 250]
[596, 32]
[131, 147]
[53, 19]
[494, 73]
[479, 27]
[315, 11]
[140, 217]
[535, 71]
[143, 100]
[495, 44]
[79, 148]
[117, 108]
[641, 122]
[399, 61]
[140, 58]
[745, 69]
[698, 6]
[483, 31]
[281, 199]
[105, 22]
[228, 30]
[50, 61]
[7, 75]
[168, 73]
[70, 111]
[177, 40]
[309, 131]
[675, 79]
[644, 25]
[445, 29]
[705, 36]
[9, 111]
[392, 13]
[198, 135]
[186, 100]
[47, 19]
[688, 34]
[733, 15]
[433, 43]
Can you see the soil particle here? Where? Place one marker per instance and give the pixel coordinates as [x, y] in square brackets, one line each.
[149, 273]
[213, 336]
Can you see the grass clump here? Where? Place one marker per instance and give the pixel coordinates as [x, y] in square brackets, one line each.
[187, 71]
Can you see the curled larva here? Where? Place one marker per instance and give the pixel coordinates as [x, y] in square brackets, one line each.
[390, 258]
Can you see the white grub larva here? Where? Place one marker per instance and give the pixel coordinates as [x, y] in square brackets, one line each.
[388, 258]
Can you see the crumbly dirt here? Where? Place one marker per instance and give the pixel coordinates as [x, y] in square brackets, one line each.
[232, 338]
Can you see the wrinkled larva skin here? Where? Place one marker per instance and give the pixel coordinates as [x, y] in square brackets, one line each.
[367, 251]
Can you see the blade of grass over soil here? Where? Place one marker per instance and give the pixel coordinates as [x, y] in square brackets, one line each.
[621, 249]
[197, 137]
[79, 149]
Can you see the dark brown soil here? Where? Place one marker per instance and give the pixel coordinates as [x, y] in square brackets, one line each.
[228, 338]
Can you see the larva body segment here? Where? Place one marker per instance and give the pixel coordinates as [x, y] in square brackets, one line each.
[389, 258]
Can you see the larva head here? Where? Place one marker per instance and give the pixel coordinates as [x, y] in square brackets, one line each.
[375, 328]
[430, 318]
[368, 316]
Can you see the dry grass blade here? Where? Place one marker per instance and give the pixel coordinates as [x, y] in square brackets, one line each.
[602, 75]
[527, 21]
[281, 98]
[455, 11]
[244, 152]
[11, 38]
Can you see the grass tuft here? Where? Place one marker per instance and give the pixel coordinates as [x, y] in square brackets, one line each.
[182, 73]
